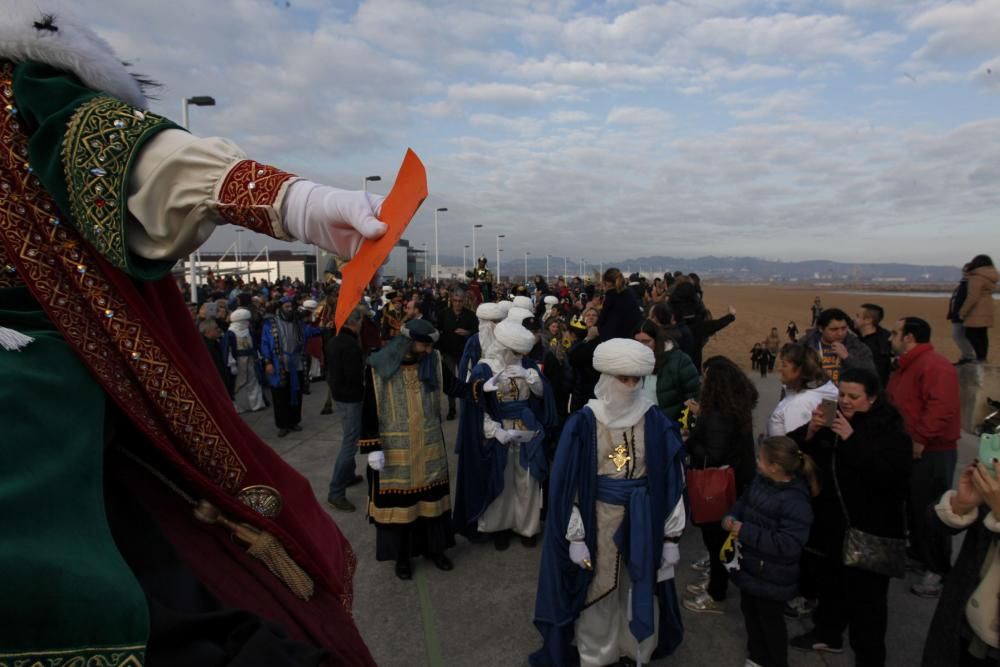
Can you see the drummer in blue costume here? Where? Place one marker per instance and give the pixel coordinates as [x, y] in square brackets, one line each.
[502, 465]
[615, 516]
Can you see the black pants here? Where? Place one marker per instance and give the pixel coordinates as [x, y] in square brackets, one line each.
[713, 535]
[979, 340]
[931, 476]
[858, 600]
[449, 365]
[287, 415]
[767, 637]
[810, 570]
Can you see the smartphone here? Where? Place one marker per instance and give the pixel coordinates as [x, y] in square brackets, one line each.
[829, 407]
[989, 449]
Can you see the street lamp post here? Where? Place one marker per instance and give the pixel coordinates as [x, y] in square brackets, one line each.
[437, 264]
[526, 267]
[198, 101]
[464, 248]
[499, 236]
[474, 257]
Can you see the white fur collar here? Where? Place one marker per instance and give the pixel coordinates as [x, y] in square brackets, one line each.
[73, 47]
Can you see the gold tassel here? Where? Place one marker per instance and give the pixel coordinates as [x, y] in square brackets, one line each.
[263, 546]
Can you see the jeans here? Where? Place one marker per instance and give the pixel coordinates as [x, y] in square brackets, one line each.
[979, 340]
[345, 468]
[965, 349]
[767, 637]
[931, 476]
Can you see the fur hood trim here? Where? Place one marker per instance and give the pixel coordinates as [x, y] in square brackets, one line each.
[48, 31]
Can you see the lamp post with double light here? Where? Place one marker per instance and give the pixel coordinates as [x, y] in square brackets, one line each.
[437, 264]
[198, 101]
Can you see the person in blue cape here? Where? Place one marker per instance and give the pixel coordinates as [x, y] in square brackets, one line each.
[501, 452]
[489, 315]
[615, 516]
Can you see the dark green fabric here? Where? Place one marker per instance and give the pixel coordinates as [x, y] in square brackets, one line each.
[47, 99]
[63, 584]
[676, 382]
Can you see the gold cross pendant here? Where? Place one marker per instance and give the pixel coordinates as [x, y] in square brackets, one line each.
[619, 457]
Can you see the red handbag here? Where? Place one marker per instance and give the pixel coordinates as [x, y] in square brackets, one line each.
[712, 491]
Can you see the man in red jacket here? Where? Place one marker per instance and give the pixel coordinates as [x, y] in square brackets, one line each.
[925, 390]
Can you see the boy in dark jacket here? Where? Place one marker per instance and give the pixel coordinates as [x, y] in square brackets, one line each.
[772, 523]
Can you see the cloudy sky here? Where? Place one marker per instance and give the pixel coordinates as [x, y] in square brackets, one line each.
[859, 130]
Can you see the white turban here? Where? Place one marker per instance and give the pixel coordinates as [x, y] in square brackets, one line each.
[523, 302]
[240, 315]
[505, 306]
[310, 304]
[551, 300]
[490, 312]
[624, 356]
[518, 315]
[618, 405]
[514, 337]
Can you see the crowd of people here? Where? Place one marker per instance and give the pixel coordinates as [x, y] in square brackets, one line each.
[864, 437]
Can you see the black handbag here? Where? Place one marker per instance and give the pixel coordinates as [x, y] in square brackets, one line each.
[874, 553]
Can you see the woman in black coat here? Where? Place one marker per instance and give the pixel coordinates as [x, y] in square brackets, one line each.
[622, 312]
[872, 455]
[722, 436]
[952, 640]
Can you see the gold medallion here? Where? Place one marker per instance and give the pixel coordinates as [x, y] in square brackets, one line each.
[619, 457]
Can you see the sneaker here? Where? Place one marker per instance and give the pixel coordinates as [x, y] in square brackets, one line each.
[703, 564]
[282, 432]
[704, 604]
[928, 587]
[810, 641]
[341, 503]
[799, 607]
[698, 588]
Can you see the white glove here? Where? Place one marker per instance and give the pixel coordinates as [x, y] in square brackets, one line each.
[580, 555]
[531, 376]
[503, 436]
[671, 556]
[376, 460]
[335, 220]
[233, 368]
[517, 371]
[491, 384]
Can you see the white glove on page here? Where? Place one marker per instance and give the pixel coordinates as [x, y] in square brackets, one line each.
[580, 555]
[376, 460]
[670, 557]
[503, 436]
[335, 220]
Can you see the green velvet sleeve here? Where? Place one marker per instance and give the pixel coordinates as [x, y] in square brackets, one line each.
[82, 147]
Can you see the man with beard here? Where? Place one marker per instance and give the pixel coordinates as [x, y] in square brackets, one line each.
[615, 516]
[408, 485]
[281, 345]
[457, 324]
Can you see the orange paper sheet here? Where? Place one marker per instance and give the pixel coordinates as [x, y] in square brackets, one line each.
[398, 209]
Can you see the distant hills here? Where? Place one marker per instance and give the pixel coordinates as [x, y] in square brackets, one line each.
[750, 269]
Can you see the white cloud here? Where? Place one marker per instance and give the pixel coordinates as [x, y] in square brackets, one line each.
[637, 116]
[508, 93]
[959, 29]
[566, 117]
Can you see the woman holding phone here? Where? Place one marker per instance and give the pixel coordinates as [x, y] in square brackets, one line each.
[867, 448]
[806, 385]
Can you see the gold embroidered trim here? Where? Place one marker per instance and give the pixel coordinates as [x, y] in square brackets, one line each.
[248, 195]
[64, 276]
[405, 492]
[102, 138]
[111, 656]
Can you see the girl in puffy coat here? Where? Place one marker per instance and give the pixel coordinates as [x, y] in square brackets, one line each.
[772, 521]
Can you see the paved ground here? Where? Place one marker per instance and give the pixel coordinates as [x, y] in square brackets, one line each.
[479, 614]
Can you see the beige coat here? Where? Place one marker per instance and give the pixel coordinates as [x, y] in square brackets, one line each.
[977, 311]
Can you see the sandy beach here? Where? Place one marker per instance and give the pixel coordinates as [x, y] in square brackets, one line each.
[760, 307]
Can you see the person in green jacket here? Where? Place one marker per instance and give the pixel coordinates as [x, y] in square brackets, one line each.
[677, 379]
